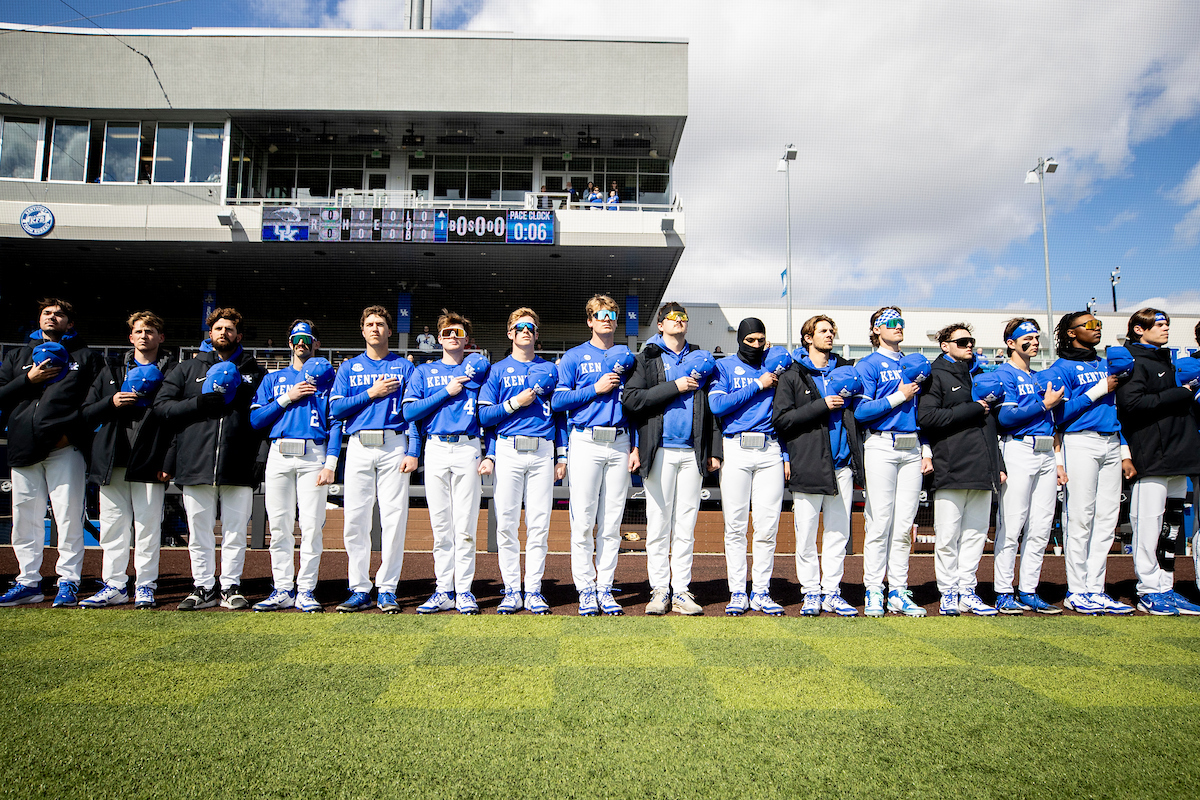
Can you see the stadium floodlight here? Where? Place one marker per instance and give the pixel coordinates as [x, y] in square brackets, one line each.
[785, 166]
[1115, 278]
[1038, 175]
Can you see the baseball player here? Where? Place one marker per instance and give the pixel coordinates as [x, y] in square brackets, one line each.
[529, 449]
[893, 462]
[442, 397]
[380, 459]
[1093, 456]
[1025, 419]
[43, 386]
[1156, 418]
[601, 454]
[825, 459]
[967, 469]
[669, 407]
[751, 469]
[305, 443]
[220, 457]
[128, 463]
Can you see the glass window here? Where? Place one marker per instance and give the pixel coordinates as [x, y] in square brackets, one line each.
[451, 162]
[621, 164]
[519, 163]
[347, 179]
[583, 165]
[68, 154]
[420, 163]
[170, 152]
[313, 160]
[484, 186]
[121, 141]
[654, 166]
[482, 163]
[18, 148]
[381, 161]
[207, 141]
[347, 162]
[516, 184]
[281, 182]
[312, 183]
[652, 189]
[449, 185]
[146, 148]
[553, 164]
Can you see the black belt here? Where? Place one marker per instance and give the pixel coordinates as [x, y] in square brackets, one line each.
[589, 427]
[456, 437]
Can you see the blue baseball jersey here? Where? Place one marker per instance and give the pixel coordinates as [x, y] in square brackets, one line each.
[578, 372]
[881, 376]
[1022, 412]
[505, 381]
[427, 402]
[306, 419]
[349, 400]
[737, 400]
[678, 413]
[1077, 412]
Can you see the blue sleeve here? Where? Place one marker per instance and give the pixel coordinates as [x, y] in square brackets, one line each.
[265, 416]
[560, 433]
[491, 412]
[722, 403]
[491, 415]
[1012, 415]
[1072, 407]
[334, 446]
[416, 410]
[414, 440]
[342, 404]
[869, 408]
[571, 399]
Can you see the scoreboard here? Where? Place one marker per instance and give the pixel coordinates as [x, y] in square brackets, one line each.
[420, 225]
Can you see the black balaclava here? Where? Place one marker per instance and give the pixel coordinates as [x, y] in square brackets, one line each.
[751, 355]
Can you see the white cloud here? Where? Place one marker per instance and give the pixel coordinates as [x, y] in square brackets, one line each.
[1187, 193]
[1185, 302]
[1117, 221]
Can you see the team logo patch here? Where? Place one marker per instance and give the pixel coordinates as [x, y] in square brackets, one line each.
[433, 371]
[587, 358]
[356, 367]
[37, 220]
[739, 371]
[1079, 367]
[510, 369]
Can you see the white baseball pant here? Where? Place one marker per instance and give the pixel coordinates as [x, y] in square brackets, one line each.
[960, 527]
[1027, 502]
[60, 479]
[893, 493]
[751, 481]
[452, 491]
[672, 503]
[131, 512]
[200, 505]
[1147, 504]
[598, 474]
[806, 511]
[373, 473]
[1093, 464]
[527, 476]
[291, 482]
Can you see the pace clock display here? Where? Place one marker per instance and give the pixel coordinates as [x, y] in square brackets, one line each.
[420, 225]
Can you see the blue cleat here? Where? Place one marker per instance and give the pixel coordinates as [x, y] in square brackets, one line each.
[1036, 603]
[20, 595]
[357, 601]
[1159, 604]
[68, 595]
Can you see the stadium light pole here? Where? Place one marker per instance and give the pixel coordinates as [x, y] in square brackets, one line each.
[785, 166]
[1038, 175]
[1115, 278]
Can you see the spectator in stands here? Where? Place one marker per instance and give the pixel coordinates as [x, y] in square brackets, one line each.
[717, 351]
[544, 200]
[425, 341]
[572, 196]
[613, 190]
[613, 201]
[595, 199]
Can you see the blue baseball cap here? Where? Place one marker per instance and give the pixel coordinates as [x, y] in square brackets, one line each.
[699, 364]
[143, 381]
[1187, 372]
[319, 372]
[915, 367]
[476, 367]
[843, 382]
[619, 359]
[777, 360]
[301, 329]
[988, 387]
[542, 378]
[1120, 361]
[224, 379]
[56, 354]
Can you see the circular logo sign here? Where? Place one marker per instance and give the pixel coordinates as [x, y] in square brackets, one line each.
[37, 220]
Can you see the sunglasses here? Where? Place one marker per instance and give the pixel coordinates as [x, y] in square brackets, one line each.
[452, 333]
[1091, 325]
[895, 322]
[524, 327]
[301, 338]
[605, 314]
[676, 316]
[965, 341]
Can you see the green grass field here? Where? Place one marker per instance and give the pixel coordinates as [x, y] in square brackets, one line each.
[240, 706]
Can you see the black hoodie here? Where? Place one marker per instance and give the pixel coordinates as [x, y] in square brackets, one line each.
[966, 451]
[215, 445]
[39, 415]
[801, 418]
[132, 436]
[1157, 416]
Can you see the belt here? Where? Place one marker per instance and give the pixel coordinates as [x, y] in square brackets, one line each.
[618, 429]
[531, 436]
[454, 438]
[770, 437]
[892, 434]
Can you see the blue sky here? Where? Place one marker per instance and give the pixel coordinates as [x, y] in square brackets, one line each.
[915, 123]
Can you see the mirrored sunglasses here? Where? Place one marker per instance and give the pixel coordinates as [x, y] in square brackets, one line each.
[302, 338]
[605, 314]
[965, 341]
[895, 322]
[676, 316]
[1091, 325]
[524, 327]
[453, 333]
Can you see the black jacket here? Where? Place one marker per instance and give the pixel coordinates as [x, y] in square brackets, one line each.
[801, 418]
[149, 436]
[646, 395]
[215, 445]
[966, 451]
[1157, 416]
[39, 415]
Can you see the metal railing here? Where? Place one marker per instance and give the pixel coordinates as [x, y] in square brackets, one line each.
[387, 198]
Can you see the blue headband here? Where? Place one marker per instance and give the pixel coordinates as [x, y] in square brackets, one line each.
[1160, 318]
[1024, 329]
[886, 316]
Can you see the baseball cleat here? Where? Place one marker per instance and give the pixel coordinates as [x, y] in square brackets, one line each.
[1036, 603]
[277, 600]
[1007, 603]
[20, 594]
[739, 603]
[511, 603]
[811, 607]
[536, 603]
[834, 604]
[587, 603]
[307, 603]
[108, 596]
[761, 601]
[949, 605]
[660, 600]
[68, 595]
[233, 599]
[969, 602]
[1185, 606]
[874, 603]
[900, 602]
[388, 603]
[1082, 603]
[143, 597]
[685, 603]
[1159, 604]
[200, 598]
[465, 603]
[608, 604]
[438, 601]
[357, 601]
[1111, 606]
